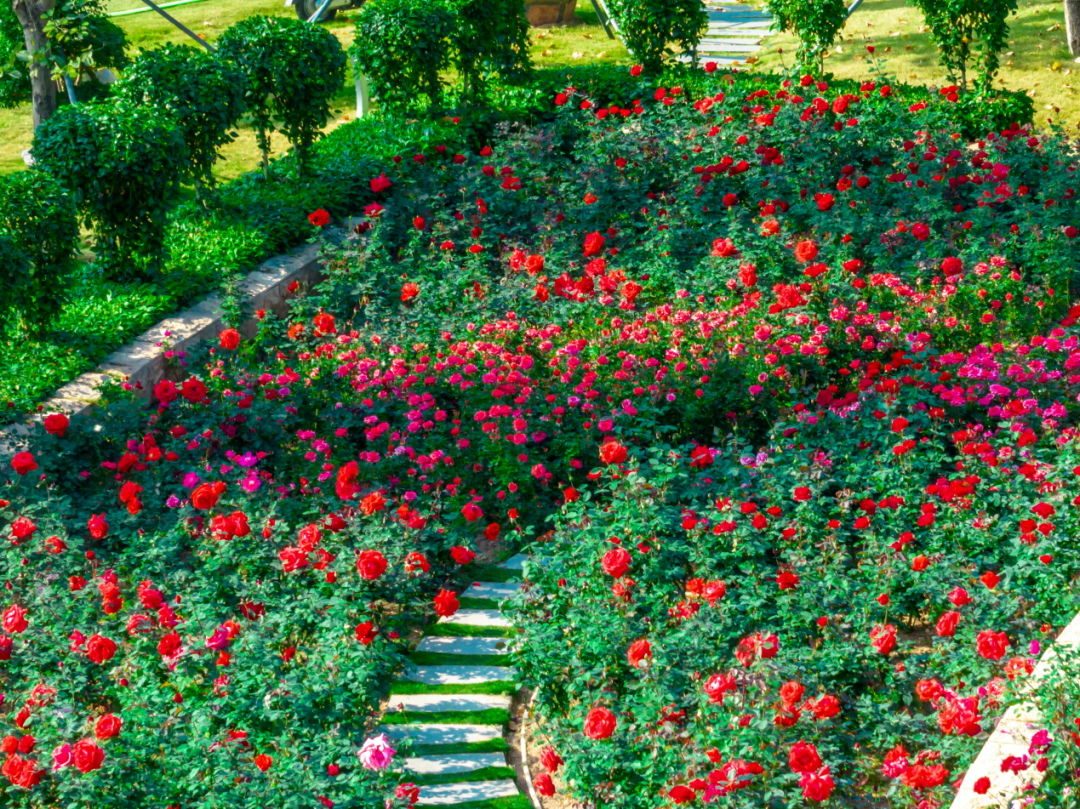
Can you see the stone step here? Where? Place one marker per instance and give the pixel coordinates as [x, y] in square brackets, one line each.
[727, 46]
[749, 32]
[703, 59]
[449, 794]
[443, 733]
[455, 763]
[740, 24]
[486, 589]
[476, 618]
[458, 675]
[464, 645]
[514, 562]
[429, 703]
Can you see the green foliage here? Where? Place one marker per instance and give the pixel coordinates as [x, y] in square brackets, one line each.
[491, 38]
[650, 26]
[38, 216]
[815, 22]
[969, 33]
[122, 163]
[14, 81]
[402, 46]
[205, 96]
[293, 70]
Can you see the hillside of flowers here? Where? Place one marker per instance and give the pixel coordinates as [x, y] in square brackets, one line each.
[785, 381]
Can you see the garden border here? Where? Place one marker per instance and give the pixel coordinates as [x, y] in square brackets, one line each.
[1012, 737]
[142, 363]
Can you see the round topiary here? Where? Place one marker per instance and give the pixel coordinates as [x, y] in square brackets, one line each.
[204, 94]
[122, 163]
[38, 219]
[293, 71]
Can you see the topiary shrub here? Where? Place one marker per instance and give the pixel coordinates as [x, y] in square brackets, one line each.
[204, 95]
[38, 218]
[401, 46]
[122, 163]
[815, 22]
[969, 32]
[293, 70]
[650, 26]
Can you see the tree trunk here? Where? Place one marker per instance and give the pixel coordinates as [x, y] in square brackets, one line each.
[42, 87]
[1072, 25]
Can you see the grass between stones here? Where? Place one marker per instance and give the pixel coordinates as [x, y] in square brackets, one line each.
[485, 774]
[502, 687]
[489, 716]
[478, 604]
[467, 631]
[515, 802]
[445, 659]
[491, 573]
[493, 746]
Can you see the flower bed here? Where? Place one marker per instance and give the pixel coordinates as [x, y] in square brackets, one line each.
[773, 340]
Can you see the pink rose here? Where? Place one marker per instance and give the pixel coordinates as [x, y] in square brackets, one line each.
[376, 754]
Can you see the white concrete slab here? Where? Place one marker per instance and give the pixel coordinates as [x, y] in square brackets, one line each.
[458, 675]
[476, 618]
[464, 645]
[487, 589]
[455, 763]
[449, 794]
[443, 733]
[446, 702]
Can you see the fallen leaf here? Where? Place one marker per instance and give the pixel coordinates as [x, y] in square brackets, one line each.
[545, 53]
[909, 47]
[576, 55]
[751, 60]
[601, 55]
[1055, 66]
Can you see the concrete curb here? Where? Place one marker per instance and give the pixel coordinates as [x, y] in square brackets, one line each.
[142, 362]
[1012, 737]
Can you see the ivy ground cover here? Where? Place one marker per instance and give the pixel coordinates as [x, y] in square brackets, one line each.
[790, 374]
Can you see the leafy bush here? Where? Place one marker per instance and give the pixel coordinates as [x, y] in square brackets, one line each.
[402, 46]
[206, 247]
[122, 164]
[39, 218]
[815, 22]
[648, 27]
[491, 38]
[204, 94]
[969, 32]
[293, 71]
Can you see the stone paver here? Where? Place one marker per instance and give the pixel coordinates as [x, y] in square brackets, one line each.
[514, 562]
[476, 618]
[447, 702]
[455, 763]
[464, 645]
[443, 733]
[459, 675]
[446, 794]
[497, 592]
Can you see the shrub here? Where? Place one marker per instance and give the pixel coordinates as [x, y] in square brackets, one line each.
[491, 38]
[815, 22]
[402, 46]
[293, 71]
[969, 32]
[122, 164]
[38, 216]
[649, 26]
[204, 94]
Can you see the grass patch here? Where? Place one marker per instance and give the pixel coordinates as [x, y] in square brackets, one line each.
[491, 573]
[493, 746]
[465, 631]
[489, 716]
[514, 802]
[484, 774]
[445, 659]
[504, 687]
[478, 604]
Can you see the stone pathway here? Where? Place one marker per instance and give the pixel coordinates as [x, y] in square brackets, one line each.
[736, 32]
[454, 703]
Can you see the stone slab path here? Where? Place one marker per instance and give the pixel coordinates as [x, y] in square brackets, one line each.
[460, 725]
[736, 32]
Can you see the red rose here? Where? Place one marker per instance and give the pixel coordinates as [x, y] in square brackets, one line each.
[471, 512]
[594, 244]
[805, 252]
[825, 708]
[22, 463]
[790, 694]
[928, 690]
[100, 649]
[462, 555]
[170, 645]
[544, 785]
[205, 497]
[324, 324]
[616, 562]
[372, 503]
[990, 579]
[612, 452]
[107, 726]
[959, 597]
[982, 786]
[718, 685]
[229, 339]
[87, 756]
[264, 762]
[56, 424]
[639, 650]
[321, 218]
[379, 184]
[817, 786]
[804, 757]
[599, 724]
[366, 632]
[952, 266]
[409, 291]
[550, 759]
[371, 564]
[193, 390]
[15, 620]
[292, 559]
[165, 391]
[446, 603]
[946, 625]
[98, 526]
[992, 645]
[883, 638]
[5, 647]
[681, 794]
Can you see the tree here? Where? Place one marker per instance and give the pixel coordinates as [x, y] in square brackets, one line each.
[815, 22]
[969, 32]
[32, 16]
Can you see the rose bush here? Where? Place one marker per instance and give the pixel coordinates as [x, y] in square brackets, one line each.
[792, 371]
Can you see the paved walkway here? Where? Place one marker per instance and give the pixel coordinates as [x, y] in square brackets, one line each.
[736, 32]
[454, 703]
